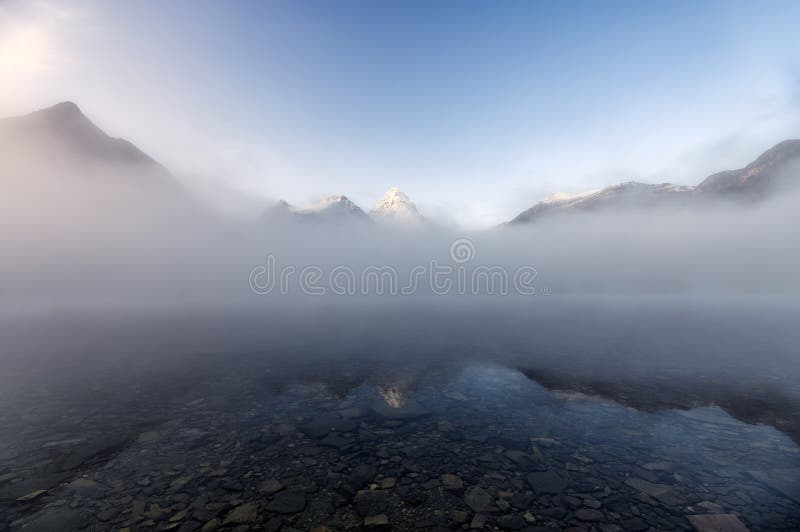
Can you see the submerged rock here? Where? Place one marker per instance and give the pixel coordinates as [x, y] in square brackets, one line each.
[547, 482]
[287, 502]
[362, 475]
[478, 499]
[452, 482]
[376, 521]
[242, 514]
[716, 523]
[271, 486]
[511, 522]
[371, 502]
[31, 496]
[406, 411]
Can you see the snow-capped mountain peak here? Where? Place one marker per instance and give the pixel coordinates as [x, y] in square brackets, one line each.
[337, 205]
[565, 197]
[397, 206]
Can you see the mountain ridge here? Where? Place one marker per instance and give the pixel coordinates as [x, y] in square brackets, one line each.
[768, 172]
[62, 132]
[394, 206]
[65, 126]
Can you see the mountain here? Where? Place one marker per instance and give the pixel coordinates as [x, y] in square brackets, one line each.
[331, 209]
[335, 206]
[56, 164]
[776, 168]
[62, 133]
[394, 206]
[397, 207]
[622, 195]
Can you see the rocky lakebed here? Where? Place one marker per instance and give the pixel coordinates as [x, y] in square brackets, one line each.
[258, 443]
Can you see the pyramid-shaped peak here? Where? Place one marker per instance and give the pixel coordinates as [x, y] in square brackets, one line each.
[64, 129]
[395, 200]
[396, 205]
[64, 107]
[62, 113]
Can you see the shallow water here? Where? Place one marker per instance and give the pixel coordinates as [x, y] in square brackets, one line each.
[420, 431]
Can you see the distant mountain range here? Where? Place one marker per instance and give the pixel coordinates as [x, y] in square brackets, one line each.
[393, 207]
[62, 135]
[775, 169]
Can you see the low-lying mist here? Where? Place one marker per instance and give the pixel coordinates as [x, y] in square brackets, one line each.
[101, 237]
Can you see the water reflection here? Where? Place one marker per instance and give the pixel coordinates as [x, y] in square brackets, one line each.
[392, 395]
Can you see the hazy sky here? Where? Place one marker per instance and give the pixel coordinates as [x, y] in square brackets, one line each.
[475, 109]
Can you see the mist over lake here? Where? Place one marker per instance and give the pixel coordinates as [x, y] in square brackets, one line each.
[302, 266]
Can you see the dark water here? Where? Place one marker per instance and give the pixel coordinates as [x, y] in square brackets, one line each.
[623, 417]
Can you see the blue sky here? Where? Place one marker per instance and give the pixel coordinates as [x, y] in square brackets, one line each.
[475, 109]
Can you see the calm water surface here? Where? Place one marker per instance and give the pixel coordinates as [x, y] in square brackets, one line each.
[435, 430]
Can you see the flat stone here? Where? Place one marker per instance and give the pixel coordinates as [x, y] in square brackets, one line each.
[57, 519]
[388, 483]
[511, 522]
[520, 458]
[180, 516]
[635, 524]
[96, 450]
[271, 486]
[548, 482]
[179, 483]
[452, 482]
[242, 515]
[662, 492]
[351, 413]
[521, 500]
[376, 520]
[478, 499]
[458, 396]
[371, 502]
[717, 523]
[591, 502]
[107, 515]
[585, 514]
[31, 496]
[287, 502]
[273, 524]
[710, 507]
[362, 475]
[657, 466]
[478, 522]
[83, 486]
[10, 492]
[211, 525]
